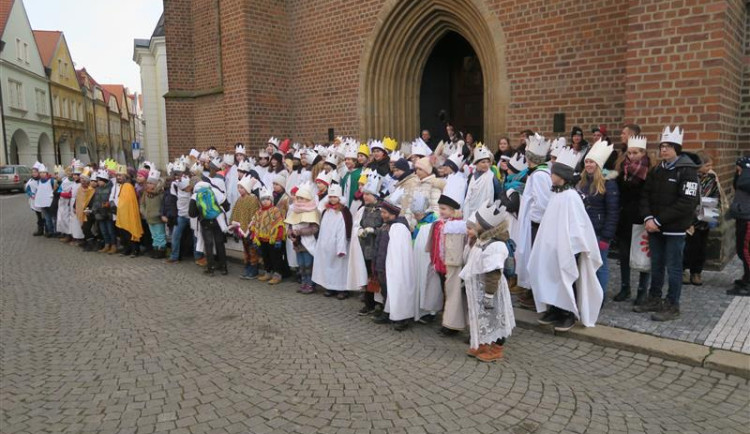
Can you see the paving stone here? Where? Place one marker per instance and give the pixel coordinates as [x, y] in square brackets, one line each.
[105, 343]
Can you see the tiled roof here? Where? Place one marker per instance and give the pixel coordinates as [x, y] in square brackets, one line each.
[46, 42]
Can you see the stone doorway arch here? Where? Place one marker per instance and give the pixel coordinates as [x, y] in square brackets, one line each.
[396, 54]
[46, 152]
[20, 149]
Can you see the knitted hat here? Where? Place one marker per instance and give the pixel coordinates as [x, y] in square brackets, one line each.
[402, 164]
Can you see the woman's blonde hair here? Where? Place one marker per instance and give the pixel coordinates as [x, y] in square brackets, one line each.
[596, 185]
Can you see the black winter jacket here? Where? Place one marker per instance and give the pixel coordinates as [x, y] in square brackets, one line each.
[603, 209]
[630, 200]
[671, 194]
[740, 208]
[383, 167]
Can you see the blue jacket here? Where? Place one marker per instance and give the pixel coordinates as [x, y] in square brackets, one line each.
[603, 209]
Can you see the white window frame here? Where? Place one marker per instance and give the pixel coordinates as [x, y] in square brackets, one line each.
[19, 49]
[41, 97]
[17, 97]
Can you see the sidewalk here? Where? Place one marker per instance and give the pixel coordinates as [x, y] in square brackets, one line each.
[708, 316]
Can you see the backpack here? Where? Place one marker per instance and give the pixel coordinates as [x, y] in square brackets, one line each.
[207, 206]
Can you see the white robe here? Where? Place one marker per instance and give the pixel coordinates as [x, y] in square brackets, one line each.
[399, 265]
[429, 293]
[63, 208]
[534, 201]
[356, 276]
[329, 269]
[291, 255]
[480, 190]
[231, 179]
[487, 326]
[566, 231]
[75, 226]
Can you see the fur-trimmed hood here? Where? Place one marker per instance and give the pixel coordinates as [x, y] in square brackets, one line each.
[499, 233]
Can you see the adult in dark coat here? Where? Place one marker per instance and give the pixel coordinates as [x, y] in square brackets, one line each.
[668, 201]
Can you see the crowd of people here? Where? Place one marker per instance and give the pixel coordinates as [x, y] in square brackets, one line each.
[425, 232]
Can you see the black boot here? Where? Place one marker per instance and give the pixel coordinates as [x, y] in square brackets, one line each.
[641, 297]
[623, 295]
[136, 251]
[209, 271]
[652, 304]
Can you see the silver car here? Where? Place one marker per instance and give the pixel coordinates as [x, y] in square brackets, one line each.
[14, 177]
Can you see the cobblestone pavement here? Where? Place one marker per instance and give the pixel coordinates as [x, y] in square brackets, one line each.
[109, 344]
[705, 314]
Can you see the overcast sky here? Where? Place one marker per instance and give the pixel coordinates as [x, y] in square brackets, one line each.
[100, 33]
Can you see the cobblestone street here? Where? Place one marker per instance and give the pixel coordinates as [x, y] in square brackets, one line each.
[102, 343]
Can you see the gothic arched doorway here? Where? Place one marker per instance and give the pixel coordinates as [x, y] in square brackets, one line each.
[452, 88]
[397, 54]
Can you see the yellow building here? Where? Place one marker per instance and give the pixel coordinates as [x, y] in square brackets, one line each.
[127, 118]
[87, 84]
[68, 117]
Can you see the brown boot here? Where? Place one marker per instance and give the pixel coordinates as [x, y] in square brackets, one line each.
[104, 249]
[112, 249]
[275, 279]
[494, 352]
[517, 290]
[696, 279]
[265, 277]
[475, 352]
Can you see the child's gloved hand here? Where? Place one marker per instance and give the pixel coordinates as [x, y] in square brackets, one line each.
[488, 302]
[277, 245]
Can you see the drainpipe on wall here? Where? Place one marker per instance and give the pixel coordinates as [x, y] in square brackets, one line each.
[2, 116]
[48, 73]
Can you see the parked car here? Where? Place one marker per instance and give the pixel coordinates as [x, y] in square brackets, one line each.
[14, 177]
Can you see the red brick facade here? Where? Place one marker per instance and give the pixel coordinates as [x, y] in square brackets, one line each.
[243, 71]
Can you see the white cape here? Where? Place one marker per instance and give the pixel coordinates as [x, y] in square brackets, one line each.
[480, 190]
[329, 269]
[231, 179]
[537, 190]
[356, 276]
[566, 231]
[487, 326]
[75, 226]
[399, 265]
[63, 208]
[429, 293]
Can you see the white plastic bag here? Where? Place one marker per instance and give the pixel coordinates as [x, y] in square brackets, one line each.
[640, 255]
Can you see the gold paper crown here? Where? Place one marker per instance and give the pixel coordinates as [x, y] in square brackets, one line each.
[390, 144]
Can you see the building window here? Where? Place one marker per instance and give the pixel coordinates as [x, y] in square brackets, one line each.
[80, 112]
[55, 106]
[26, 52]
[19, 49]
[17, 99]
[41, 102]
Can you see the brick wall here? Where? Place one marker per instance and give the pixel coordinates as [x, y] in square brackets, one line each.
[684, 66]
[292, 67]
[745, 109]
[567, 57]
